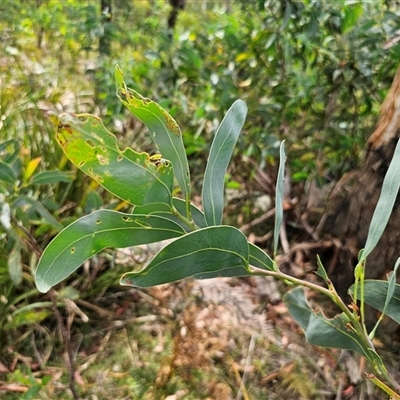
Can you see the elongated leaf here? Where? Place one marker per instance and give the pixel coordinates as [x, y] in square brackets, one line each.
[33, 306]
[93, 201]
[203, 253]
[390, 188]
[376, 294]
[260, 259]
[220, 154]
[280, 187]
[52, 177]
[197, 215]
[391, 285]
[7, 174]
[10, 146]
[321, 270]
[165, 211]
[162, 210]
[132, 176]
[319, 330]
[28, 317]
[31, 168]
[10, 151]
[352, 15]
[3, 190]
[389, 295]
[163, 128]
[14, 265]
[5, 215]
[24, 200]
[240, 271]
[93, 233]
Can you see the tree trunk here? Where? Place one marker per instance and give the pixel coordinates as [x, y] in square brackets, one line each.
[352, 203]
[177, 5]
[105, 38]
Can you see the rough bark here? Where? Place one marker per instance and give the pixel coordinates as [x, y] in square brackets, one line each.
[352, 202]
[106, 18]
[177, 5]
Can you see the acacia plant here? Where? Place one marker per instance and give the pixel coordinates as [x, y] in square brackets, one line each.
[203, 247]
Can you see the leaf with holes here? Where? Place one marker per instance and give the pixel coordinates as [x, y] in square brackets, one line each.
[93, 233]
[205, 253]
[134, 177]
[163, 128]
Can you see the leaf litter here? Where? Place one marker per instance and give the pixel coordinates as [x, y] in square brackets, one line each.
[221, 339]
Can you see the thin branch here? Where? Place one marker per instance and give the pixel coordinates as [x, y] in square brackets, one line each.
[67, 343]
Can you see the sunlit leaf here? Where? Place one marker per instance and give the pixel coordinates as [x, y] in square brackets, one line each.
[93, 233]
[163, 128]
[31, 167]
[11, 150]
[132, 176]
[203, 253]
[352, 15]
[220, 154]
[27, 316]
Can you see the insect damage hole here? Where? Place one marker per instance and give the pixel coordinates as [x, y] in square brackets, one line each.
[90, 143]
[102, 160]
[72, 250]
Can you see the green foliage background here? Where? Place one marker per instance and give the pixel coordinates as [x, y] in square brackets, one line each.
[312, 73]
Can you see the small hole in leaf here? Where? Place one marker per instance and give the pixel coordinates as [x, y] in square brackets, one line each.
[90, 170]
[98, 221]
[100, 179]
[127, 219]
[102, 160]
[90, 143]
[81, 164]
[120, 158]
[103, 149]
[72, 250]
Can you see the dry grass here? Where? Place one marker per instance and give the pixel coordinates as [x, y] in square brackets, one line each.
[214, 339]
